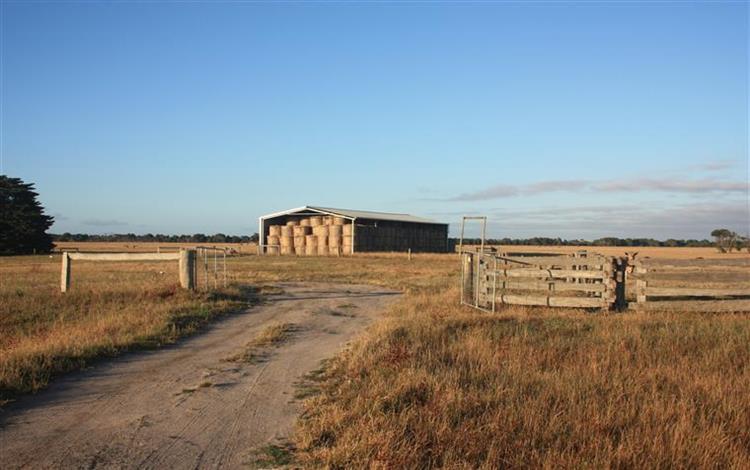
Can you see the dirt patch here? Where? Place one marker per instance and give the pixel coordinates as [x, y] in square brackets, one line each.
[186, 406]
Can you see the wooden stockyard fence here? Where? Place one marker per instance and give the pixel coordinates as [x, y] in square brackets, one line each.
[594, 281]
[697, 284]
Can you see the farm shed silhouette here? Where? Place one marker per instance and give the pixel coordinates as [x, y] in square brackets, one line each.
[316, 230]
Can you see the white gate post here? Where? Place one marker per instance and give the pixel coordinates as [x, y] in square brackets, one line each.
[65, 274]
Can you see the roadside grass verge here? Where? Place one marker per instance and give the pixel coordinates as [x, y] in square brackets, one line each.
[435, 385]
[112, 307]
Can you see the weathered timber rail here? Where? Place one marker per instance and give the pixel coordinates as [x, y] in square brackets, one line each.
[695, 285]
[581, 280]
[185, 258]
[590, 280]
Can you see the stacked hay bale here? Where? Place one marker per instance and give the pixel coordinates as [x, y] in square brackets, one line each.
[300, 237]
[272, 241]
[311, 236]
[346, 238]
[286, 240]
[321, 232]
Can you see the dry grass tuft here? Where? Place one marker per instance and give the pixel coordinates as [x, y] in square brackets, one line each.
[272, 335]
[439, 386]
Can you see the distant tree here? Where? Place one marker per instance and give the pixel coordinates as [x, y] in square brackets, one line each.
[23, 224]
[218, 238]
[742, 242]
[725, 239]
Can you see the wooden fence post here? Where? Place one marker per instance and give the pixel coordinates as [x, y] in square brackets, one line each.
[187, 269]
[65, 275]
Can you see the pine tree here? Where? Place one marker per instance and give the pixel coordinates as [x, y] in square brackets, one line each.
[23, 224]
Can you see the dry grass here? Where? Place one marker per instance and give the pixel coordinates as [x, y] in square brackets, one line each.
[112, 307]
[435, 385]
[439, 386]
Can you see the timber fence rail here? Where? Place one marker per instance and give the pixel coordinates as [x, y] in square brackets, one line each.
[580, 280]
[185, 259]
[694, 285]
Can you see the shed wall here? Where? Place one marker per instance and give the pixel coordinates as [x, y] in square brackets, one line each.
[375, 235]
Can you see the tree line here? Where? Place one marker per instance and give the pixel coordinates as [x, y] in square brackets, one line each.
[606, 241]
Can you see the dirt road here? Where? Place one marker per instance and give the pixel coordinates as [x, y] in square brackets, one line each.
[187, 406]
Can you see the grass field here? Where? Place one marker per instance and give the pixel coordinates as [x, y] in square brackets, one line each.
[111, 308]
[431, 384]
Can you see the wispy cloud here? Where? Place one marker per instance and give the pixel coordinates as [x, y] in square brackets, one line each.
[717, 165]
[493, 192]
[688, 220]
[103, 222]
[705, 185]
[554, 186]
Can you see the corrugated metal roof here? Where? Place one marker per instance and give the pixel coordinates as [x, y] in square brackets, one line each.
[356, 214]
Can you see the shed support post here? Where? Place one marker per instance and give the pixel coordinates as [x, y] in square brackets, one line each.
[187, 269]
[65, 274]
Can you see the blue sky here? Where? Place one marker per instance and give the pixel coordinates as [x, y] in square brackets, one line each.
[553, 119]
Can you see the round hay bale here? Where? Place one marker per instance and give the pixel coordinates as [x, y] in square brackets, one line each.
[301, 231]
[327, 220]
[311, 250]
[274, 230]
[311, 240]
[347, 230]
[321, 230]
[287, 250]
[272, 240]
[322, 250]
[292, 223]
[299, 250]
[346, 240]
[339, 221]
[304, 222]
[316, 221]
[287, 231]
[299, 241]
[335, 230]
[322, 240]
[286, 241]
[334, 241]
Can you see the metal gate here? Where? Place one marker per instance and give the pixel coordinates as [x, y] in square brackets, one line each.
[211, 268]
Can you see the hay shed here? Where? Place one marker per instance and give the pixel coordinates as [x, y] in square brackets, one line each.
[315, 230]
